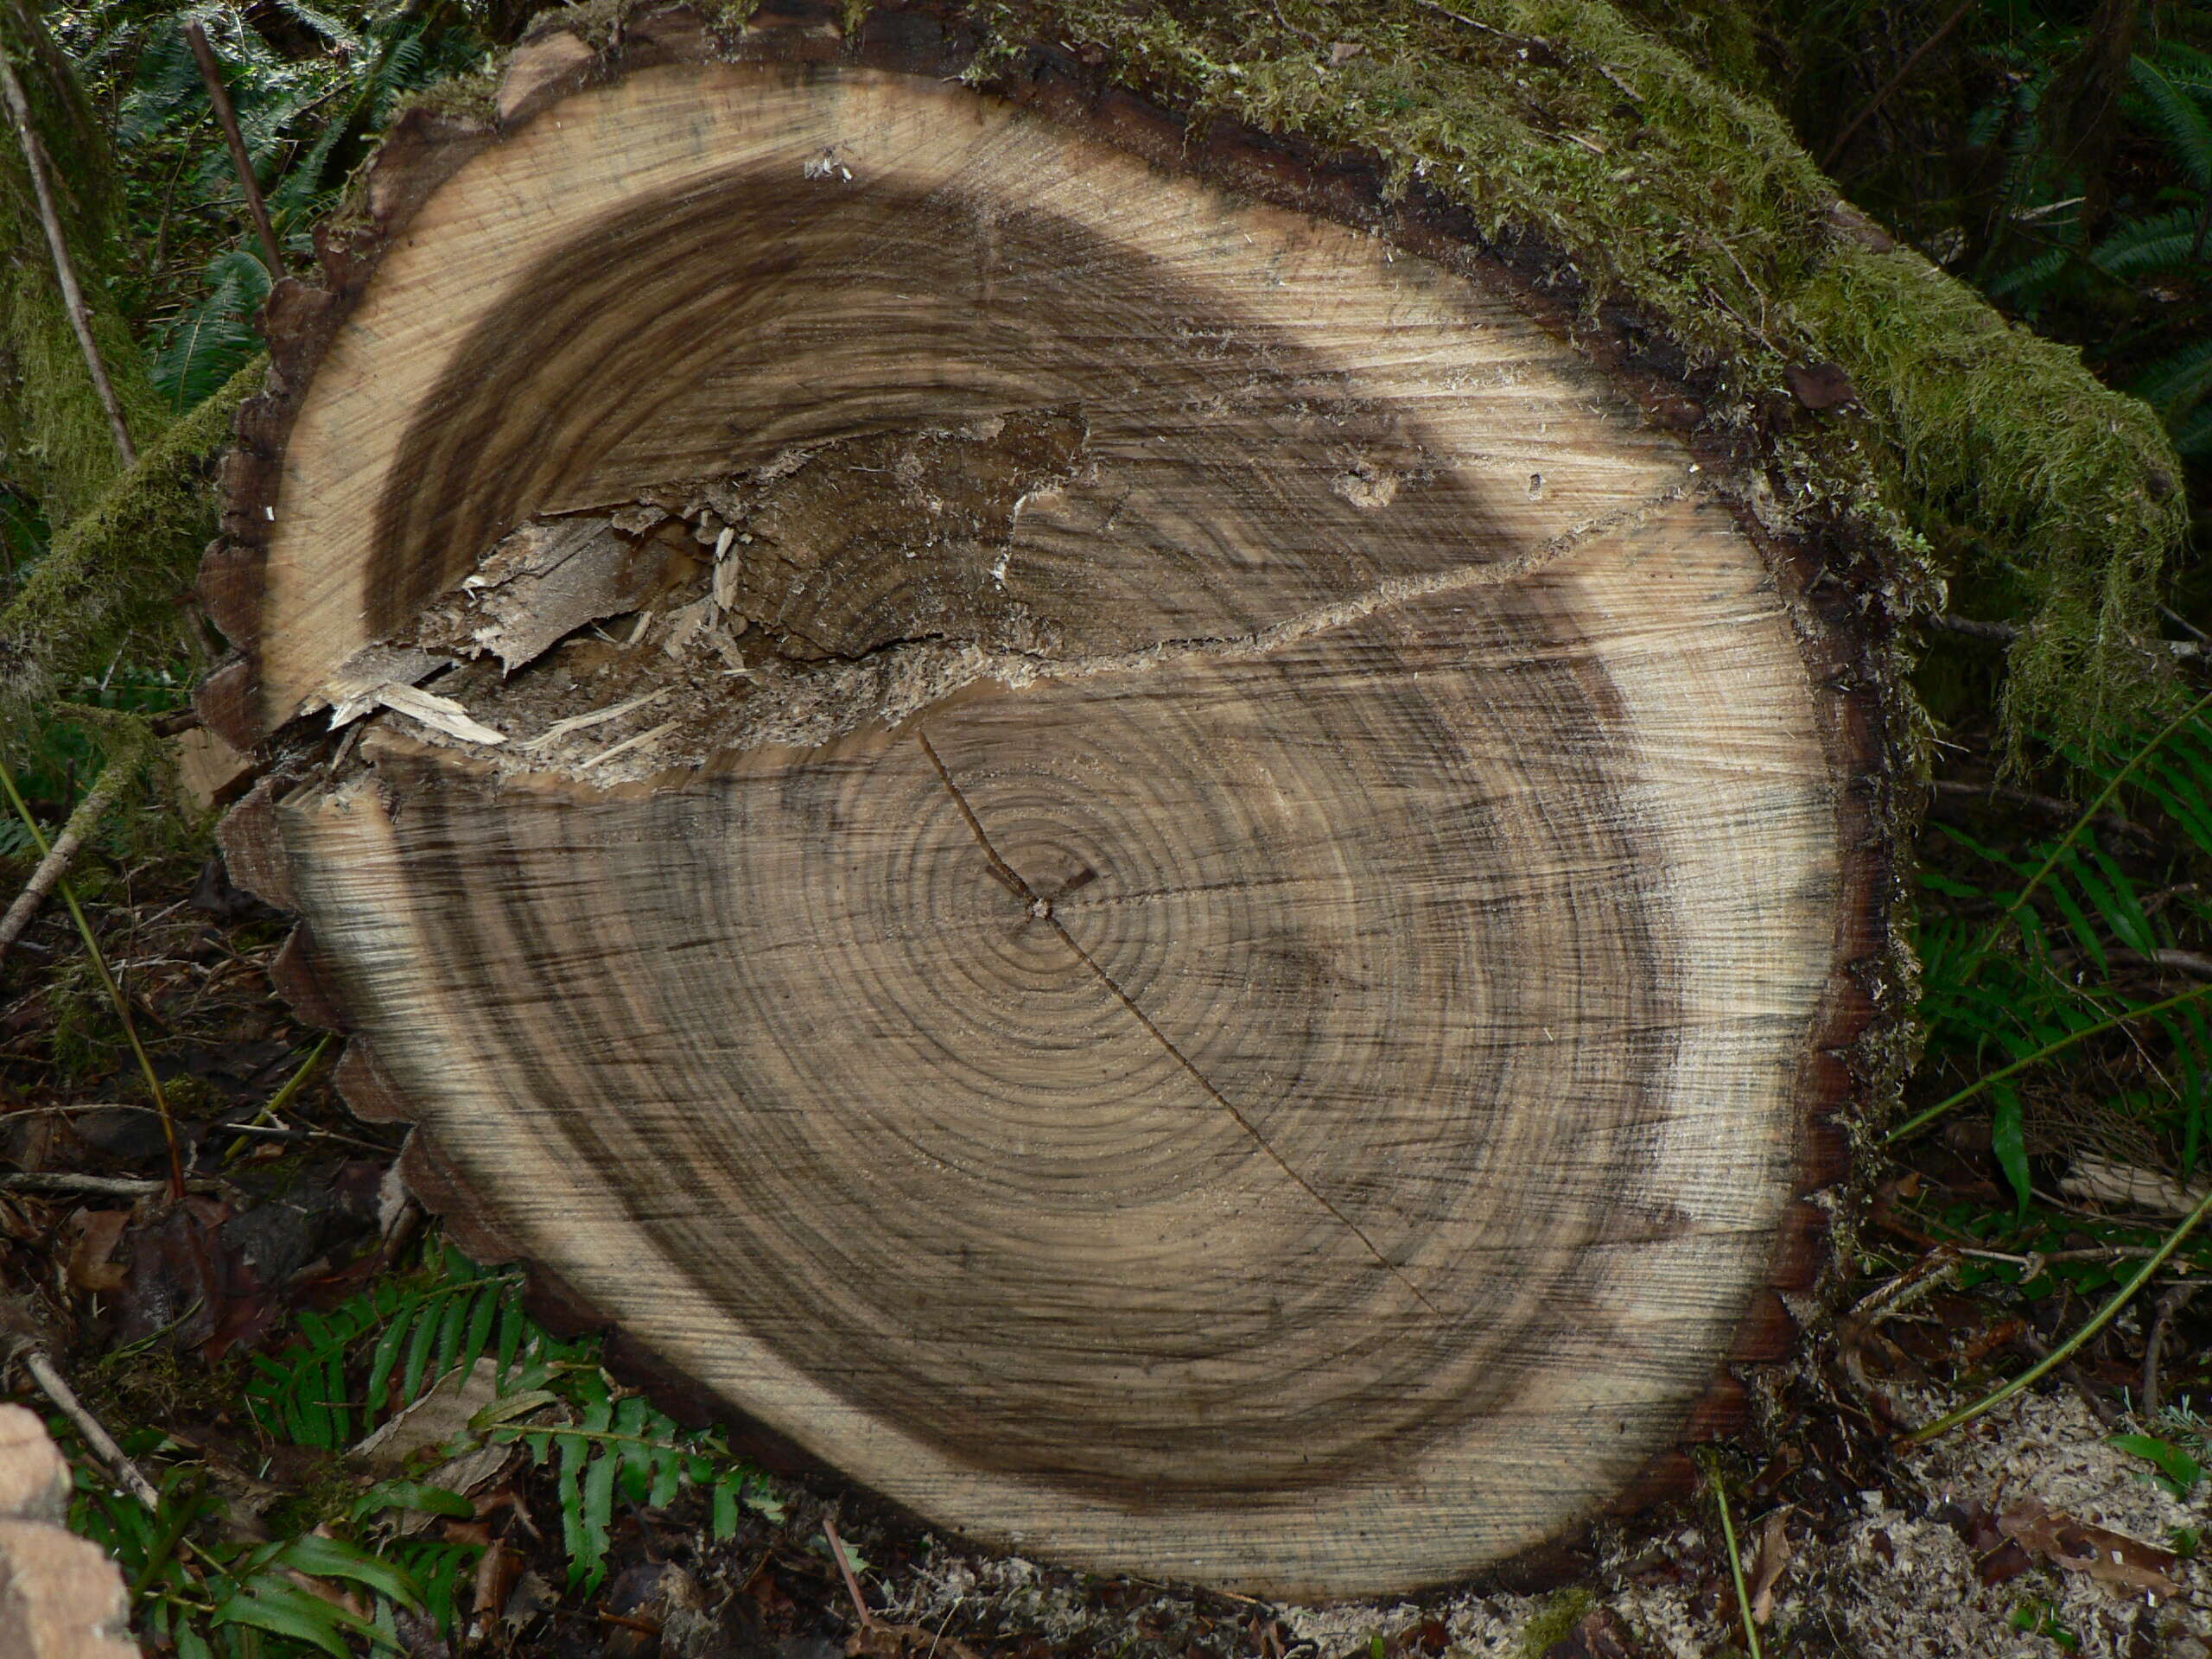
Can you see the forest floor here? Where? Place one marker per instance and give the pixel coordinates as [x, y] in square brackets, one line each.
[2028, 1532]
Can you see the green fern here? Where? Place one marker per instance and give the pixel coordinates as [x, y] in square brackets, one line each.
[209, 343]
[364, 1361]
[421, 1333]
[2192, 434]
[197, 1589]
[2164, 243]
[2180, 107]
[2072, 909]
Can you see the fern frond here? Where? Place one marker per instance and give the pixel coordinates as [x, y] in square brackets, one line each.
[2166, 242]
[2178, 112]
[338, 34]
[2030, 276]
[2185, 65]
[2181, 377]
[2192, 436]
[210, 343]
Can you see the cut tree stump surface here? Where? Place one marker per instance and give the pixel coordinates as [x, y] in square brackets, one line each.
[1141, 864]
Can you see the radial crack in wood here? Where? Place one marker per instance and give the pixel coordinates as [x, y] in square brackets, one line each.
[1157, 879]
[1040, 909]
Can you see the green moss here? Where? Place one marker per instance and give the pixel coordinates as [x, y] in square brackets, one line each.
[2004, 434]
[1661, 188]
[56, 441]
[121, 565]
[58, 445]
[1554, 1622]
[470, 96]
[1721, 37]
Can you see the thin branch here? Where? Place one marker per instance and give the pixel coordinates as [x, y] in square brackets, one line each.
[241, 162]
[2195, 964]
[65, 272]
[1905, 72]
[845, 1568]
[67, 845]
[105, 1186]
[2052, 805]
[56, 1388]
[1735, 1556]
[2004, 633]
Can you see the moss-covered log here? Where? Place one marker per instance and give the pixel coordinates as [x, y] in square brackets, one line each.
[56, 446]
[124, 565]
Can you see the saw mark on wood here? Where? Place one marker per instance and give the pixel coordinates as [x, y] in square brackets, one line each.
[1041, 908]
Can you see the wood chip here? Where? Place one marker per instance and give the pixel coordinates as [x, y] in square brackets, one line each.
[546, 579]
[629, 743]
[683, 626]
[727, 573]
[351, 692]
[439, 713]
[2104, 1181]
[561, 728]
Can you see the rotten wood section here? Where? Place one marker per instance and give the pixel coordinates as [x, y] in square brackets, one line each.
[1080, 819]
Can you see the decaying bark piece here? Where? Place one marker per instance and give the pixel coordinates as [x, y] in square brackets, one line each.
[59, 1597]
[1148, 867]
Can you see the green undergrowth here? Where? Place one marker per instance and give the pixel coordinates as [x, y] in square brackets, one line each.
[2050, 946]
[213, 1578]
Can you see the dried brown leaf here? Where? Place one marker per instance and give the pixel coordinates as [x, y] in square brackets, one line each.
[98, 1231]
[1769, 1565]
[2127, 1565]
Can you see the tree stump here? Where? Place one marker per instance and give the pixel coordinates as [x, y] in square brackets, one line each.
[1070, 807]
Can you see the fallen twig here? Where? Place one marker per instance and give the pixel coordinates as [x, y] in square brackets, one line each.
[75, 834]
[62, 1181]
[2004, 633]
[2171, 1300]
[2192, 963]
[1998, 794]
[220, 96]
[879, 1637]
[65, 272]
[56, 1388]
